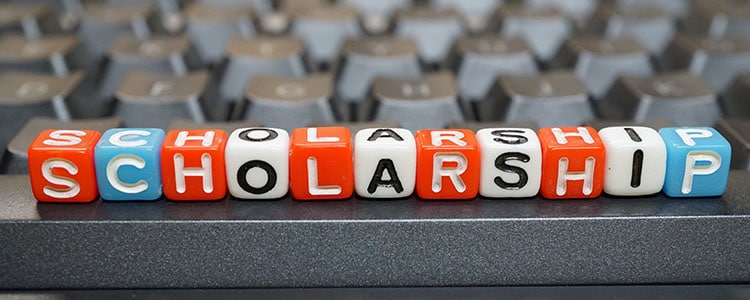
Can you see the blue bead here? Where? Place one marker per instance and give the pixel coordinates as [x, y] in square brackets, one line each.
[697, 162]
[128, 164]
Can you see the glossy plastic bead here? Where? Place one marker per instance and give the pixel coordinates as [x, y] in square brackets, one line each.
[320, 163]
[511, 162]
[573, 163]
[636, 161]
[192, 163]
[257, 163]
[447, 164]
[698, 160]
[385, 162]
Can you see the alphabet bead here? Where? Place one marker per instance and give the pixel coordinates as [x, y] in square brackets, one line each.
[698, 160]
[192, 164]
[447, 164]
[128, 164]
[385, 162]
[511, 162]
[636, 161]
[257, 163]
[61, 166]
[320, 162]
[573, 162]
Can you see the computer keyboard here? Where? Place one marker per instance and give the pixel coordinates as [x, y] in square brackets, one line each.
[228, 64]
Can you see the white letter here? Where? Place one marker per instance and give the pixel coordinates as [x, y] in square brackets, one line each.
[122, 160]
[454, 174]
[116, 139]
[73, 188]
[562, 137]
[312, 136]
[312, 180]
[687, 134]
[183, 136]
[204, 171]
[691, 169]
[587, 176]
[454, 137]
[59, 138]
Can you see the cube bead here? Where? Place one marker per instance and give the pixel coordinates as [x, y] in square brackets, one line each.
[192, 165]
[320, 163]
[698, 160]
[385, 162]
[257, 163]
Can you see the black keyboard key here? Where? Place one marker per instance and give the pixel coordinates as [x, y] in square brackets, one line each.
[716, 60]
[428, 102]
[324, 30]
[648, 24]
[717, 18]
[101, 23]
[682, 97]
[475, 13]
[146, 99]
[31, 20]
[656, 124]
[736, 101]
[210, 27]
[15, 159]
[478, 60]
[289, 103]
[177, 124]
[434, 30]
[599, 61]
[544, 28]
[376, 14]
[50, 54]
[548, 99]
[578, 9]
[677, 8]
[737, 132]
[476, 126]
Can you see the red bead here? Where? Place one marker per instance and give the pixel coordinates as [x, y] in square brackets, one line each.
[192, 165]
[447, 164]
[320, 163]
[61, 166]
[572, 162]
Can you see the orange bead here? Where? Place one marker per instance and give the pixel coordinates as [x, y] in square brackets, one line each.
[572, 162]
[447, 164]
[192, 165]
[320, 163]
[61, 166]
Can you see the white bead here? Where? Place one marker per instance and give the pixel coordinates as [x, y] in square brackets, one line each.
[257, 163]
[636, 160]
[378, 152]
[511, 162]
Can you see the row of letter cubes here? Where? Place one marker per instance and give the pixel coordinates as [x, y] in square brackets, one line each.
[321, 163]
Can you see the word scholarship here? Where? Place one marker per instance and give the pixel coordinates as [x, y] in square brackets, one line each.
[322, 164]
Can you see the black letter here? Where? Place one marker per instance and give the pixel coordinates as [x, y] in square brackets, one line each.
[519, 139]
[635, 179]
[242, 176]
[500, 164]
[384, 132]
[377, 178]
[271, 135]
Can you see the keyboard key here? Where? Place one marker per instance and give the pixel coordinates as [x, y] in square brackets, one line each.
[324, 30]
[101, 23]
[50, 54]
[15, 159]
[433, 30]
[428, 102]
[24, 95]
[548, 99]
[164, 54]
[677, 8]
[648, 24]
[577, 9]
[478, 60]
[735, 101]
[365, 58]
[476, 126]
[289, 103]
[246, 58]
[31, 20]
[545, 28]
[210, 27]
[354, 127]
[146, 99]
[598, 62]
[718, 18]
[476, 13]
[376, 14]
[179, 123]
[737, 132]
[681, 97]
[716, 60]
[656, 124]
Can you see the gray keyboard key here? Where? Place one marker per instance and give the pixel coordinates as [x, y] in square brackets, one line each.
[15, 159]
[249, 57]
[324, 30]
[365, 58]
[163, 54]
[653, 123]
[476, 126]
[50, 54]
[598, 61]
[24, 95]
[478, 60]
[357, 126]
[428, 102]
[31, 20]
[578, 9]
[289, 103]
[717, 18]
[716, 60]
[210, 27]
[647, 24]
[737, 132]
[433, 30]
[677, 8]
[736, 100]
[476, 13]
[376, 15]
[146, 99]
[178, 124]
[544, 28]
[682, 97]
[549, 99]
[101, 23]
